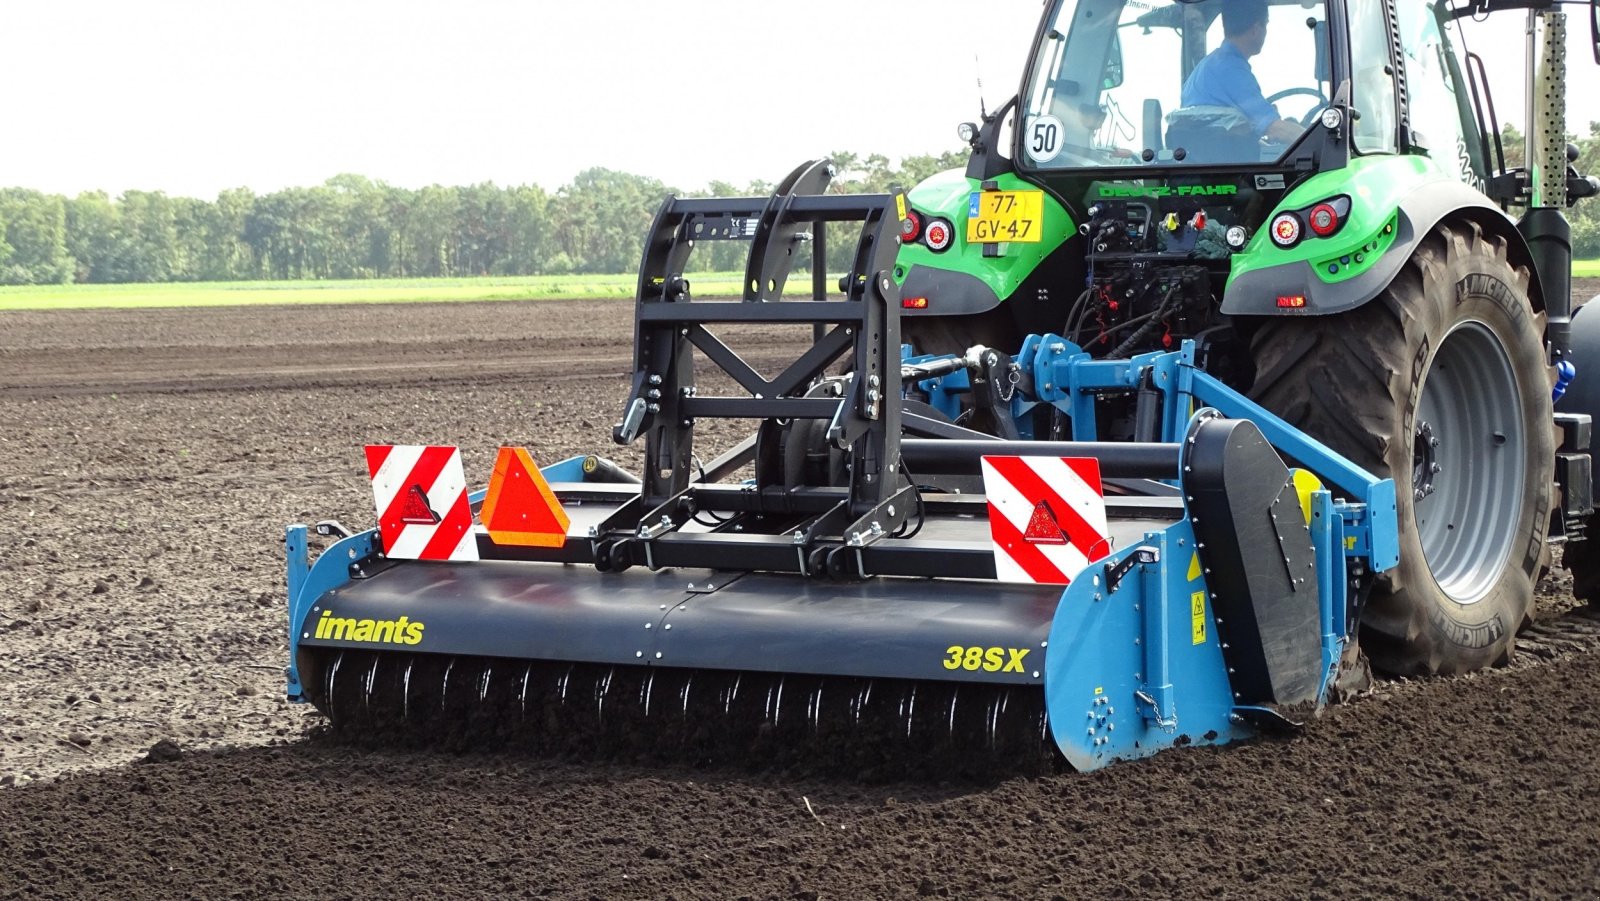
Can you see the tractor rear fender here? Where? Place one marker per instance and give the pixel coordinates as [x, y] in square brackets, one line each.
[1255, 291]
[966, 278]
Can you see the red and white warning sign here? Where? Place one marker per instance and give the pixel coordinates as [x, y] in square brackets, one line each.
[1047, 516]
[421, 496]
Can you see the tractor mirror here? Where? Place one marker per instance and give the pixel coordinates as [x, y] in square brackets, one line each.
[1113, 72]
[1594, 29]
[1319, 31]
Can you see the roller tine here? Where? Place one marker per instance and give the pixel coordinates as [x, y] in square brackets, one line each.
[405, 690]
[950, 726]
[601, 692]
[368, 680]
[911, 710]
[683, 695]
[646, 690]
[329, 680]
[483, 683]
[992, 727]
[522, 694]
[445, 692]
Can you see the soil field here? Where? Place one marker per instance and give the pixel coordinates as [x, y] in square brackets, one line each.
[150, 459]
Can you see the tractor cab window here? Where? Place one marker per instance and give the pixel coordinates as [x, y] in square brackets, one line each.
[1372, 77]
[1436, 108]
[1173, 82]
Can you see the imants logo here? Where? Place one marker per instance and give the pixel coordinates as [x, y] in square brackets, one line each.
[376, 631]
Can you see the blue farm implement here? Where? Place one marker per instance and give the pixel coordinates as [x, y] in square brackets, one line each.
[844, 585]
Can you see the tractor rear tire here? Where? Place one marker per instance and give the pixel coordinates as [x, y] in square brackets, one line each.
[1441, 383]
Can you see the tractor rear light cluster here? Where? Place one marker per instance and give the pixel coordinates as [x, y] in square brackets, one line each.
[938, 235]
[910, 227]
[1322, 219]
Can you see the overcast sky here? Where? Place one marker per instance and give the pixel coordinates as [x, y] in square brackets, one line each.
[194, 96]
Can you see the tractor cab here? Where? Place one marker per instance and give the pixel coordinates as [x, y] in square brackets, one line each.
[1163, 83]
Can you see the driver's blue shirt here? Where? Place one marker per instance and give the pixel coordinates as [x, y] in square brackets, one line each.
[1224, 78]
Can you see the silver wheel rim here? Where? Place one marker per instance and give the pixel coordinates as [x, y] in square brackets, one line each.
[1468, 457]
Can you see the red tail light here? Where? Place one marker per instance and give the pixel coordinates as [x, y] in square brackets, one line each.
[910, 227]
[1324, 220]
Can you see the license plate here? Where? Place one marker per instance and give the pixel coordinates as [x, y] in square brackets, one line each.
[997, 216]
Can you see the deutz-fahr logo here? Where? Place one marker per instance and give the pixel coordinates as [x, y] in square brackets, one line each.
[381, 631]
[1168, 191]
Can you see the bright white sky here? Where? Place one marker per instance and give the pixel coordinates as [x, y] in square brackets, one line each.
[194, 96]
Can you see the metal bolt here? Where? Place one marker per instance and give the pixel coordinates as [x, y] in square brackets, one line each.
[667, 626]
[638, 653]
[649, 625]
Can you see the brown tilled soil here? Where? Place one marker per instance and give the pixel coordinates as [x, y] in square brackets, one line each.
[148, 463]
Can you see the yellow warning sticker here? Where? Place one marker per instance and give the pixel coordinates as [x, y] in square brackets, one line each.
[900, 205]
[1194, 567]
[1197, 616]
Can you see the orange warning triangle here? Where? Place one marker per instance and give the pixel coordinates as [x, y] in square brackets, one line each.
[519, 507]
[415, 508]
[1042, 527]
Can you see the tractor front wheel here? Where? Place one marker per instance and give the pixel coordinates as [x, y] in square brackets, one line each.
[1440, 383]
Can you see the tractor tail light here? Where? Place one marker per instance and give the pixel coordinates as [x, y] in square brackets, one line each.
[1324, 220]
[910, 227]
[938, 235]
[1286, 230]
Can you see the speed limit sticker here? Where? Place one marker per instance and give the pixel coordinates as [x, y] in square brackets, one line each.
[1042, 138]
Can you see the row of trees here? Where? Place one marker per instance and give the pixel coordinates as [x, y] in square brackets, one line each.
[354, 227]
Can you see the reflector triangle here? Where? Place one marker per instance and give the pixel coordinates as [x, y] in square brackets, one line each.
[519, 507]
[1042, 527]
[415, 509]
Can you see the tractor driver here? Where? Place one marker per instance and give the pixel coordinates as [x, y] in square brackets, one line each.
[1224, 77]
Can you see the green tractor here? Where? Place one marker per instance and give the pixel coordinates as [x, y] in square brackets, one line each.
[1316, 195]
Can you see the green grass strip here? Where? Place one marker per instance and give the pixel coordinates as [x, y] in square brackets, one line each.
[227, 294]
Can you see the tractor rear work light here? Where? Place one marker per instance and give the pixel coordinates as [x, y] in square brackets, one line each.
[939, 235]
[910, 227]
[1324, 220]
[1286, 230]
